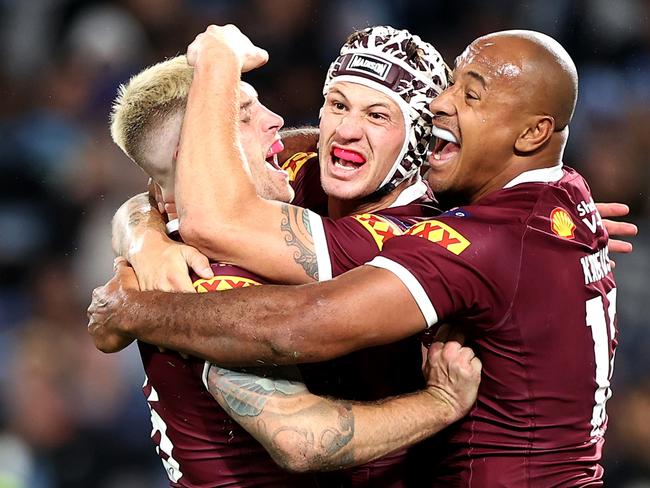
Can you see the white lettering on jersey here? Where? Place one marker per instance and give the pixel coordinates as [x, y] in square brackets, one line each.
[595, 266]
[597, 319]
[165, 445]
[590, 216]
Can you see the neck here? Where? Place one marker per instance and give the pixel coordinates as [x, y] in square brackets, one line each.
[338, 208]
[501, 180]
[548, 156]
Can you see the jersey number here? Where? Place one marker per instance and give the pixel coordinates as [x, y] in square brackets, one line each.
[596, 321]
[165, 445]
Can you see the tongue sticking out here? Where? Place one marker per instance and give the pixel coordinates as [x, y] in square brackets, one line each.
[276, 148]
[347, 155]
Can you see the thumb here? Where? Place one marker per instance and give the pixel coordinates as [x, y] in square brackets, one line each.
[197, 262]
[119, 263]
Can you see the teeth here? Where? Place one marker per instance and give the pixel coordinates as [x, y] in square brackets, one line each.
[436, 156]
[443, 134]
[338, 164]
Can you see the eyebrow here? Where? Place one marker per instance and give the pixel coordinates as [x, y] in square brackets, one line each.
[373, 105]
[338, 92]
[477, 77]
[247, 103]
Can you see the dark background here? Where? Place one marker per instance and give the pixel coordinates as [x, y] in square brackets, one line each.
[72, 417]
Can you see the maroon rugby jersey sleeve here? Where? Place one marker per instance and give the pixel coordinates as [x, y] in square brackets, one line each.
[451, 268]
[348, 242]
[304, 178]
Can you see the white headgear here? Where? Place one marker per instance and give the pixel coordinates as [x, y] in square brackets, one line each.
[406, 69]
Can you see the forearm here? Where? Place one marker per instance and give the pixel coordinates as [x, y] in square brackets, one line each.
[132, 222]
[305, 432]
[211, 179]
[274, 324]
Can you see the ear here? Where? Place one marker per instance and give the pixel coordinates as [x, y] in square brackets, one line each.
[536, 134]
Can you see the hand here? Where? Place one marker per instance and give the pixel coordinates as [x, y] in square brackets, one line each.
[156, 195]
[108, 301]
[162, 264]
[617, 229]
[215, 38]
[453, 373]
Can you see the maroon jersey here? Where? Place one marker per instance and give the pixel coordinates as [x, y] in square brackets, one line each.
[525, 271]
[198, 442]
[304, 178]
[376, 372]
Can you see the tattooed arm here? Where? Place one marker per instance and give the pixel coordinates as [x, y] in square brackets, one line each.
[219, 210]
[306, 432]
[160, 263]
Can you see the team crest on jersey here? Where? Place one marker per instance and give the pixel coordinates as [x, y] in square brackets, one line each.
[380, 228]
[456, 212]
[294, 163]
[220, 283]
[562, 224]
[441, 234]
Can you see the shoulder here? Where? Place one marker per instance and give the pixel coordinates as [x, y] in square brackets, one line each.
[299, 163]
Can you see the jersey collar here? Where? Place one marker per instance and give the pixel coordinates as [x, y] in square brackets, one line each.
[542, 175]
[172, 226]
[411, 193]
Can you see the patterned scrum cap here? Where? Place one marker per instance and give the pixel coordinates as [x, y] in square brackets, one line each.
[382, 58]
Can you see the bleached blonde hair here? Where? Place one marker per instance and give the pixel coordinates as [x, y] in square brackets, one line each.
[153, 98]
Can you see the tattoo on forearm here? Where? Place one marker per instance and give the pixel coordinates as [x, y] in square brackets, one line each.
[246, 393]
[328, 445]
[321, 430]
[295, 223]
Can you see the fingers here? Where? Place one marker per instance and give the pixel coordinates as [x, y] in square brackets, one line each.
[197, 262]
[612, 209]
[170, 209]
[119, 262]
[620, 228]
[619, 246]
[250, 56]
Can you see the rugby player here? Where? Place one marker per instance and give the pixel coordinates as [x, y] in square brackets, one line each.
[198, 443]
[522, 265]
[190, 436]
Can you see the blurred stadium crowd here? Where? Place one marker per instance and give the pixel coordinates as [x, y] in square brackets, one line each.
[72, 417]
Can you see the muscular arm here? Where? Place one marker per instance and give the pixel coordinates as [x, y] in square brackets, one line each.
[305, 432]
[219, 210]
[139, 235]
[132, 222]
[275, 324]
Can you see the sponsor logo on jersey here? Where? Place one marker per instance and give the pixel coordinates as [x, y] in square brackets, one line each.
[294, 163]
[562, 224]
[590, 215]
[220, 283]
[441, 234]
[369, 64]
[380, 228]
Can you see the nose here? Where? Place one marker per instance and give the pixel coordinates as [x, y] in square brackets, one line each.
[442, 105]
[272, 121]
[349, 128]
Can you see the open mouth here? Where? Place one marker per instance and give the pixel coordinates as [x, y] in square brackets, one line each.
[272, 155]
[446, 146]
[346, 159]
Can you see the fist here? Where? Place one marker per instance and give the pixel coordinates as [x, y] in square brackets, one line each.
[216, 39]
[453, 373]
[108, 301]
